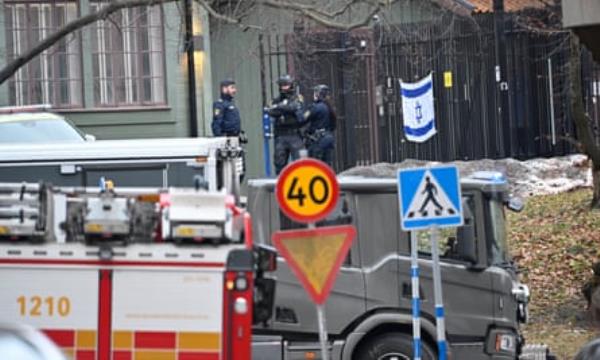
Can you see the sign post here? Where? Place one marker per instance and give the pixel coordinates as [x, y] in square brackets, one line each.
[416, 301]
[307, 191]
[267, 134]
[430, 198]
[437, 293]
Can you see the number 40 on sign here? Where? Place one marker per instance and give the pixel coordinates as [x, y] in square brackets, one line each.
[307, 190]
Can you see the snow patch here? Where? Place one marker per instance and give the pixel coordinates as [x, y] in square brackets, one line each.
[538, 176]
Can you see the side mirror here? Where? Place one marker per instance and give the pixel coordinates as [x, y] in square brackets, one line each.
[266, 258]
[264, 288]
[515, 204]
[89, 137]
[264, 298]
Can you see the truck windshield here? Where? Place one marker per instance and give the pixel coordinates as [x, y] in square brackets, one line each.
[498, 247]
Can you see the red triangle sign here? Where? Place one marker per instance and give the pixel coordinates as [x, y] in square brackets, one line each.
[315, 255]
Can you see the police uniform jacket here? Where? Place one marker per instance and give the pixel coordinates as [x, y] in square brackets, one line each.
[226, 117]
[319, 117]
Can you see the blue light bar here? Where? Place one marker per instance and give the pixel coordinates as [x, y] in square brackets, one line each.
[491, 176]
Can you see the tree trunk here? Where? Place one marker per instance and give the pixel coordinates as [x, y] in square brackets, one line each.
[596, 185]
[582, 124]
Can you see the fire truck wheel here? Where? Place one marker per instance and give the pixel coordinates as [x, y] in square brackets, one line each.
[391, 346]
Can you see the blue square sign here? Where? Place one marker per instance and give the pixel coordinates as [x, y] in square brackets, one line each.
[429, 196]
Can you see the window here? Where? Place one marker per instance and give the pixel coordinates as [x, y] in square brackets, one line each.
[454, 243]
[128, 57]
[54, 76]
[498, 247]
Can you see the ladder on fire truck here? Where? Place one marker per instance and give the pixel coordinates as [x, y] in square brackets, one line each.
[129, 273]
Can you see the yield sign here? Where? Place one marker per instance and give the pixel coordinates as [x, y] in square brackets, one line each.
[315, 255]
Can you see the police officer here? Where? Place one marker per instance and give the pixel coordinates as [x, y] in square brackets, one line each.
[287, 113]
[226, 116]
[321, 119]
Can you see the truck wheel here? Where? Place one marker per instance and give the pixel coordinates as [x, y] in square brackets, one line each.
[391, 346]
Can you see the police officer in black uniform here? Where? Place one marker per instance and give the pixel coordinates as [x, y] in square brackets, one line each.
[226, 116]
[321, 119]
[287, 113]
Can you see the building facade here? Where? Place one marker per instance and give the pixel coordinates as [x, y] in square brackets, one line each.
[124, 77]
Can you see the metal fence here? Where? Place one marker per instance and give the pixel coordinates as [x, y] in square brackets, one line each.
[364, 67]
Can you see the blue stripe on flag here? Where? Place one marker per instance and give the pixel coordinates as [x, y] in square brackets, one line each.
[413, 93]
[419, 131]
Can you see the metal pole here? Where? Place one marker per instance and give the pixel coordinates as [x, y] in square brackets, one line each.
[416, 301]
[189, 47]
[322, 332]
[551, 89]
[502, 78]
[267, 134]
[320, 311]
[437, 294]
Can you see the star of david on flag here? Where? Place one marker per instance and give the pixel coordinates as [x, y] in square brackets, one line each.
[417, 107]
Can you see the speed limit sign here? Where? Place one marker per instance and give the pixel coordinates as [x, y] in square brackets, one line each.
[307, 190]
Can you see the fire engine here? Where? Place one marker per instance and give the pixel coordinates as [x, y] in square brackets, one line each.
[120, 273]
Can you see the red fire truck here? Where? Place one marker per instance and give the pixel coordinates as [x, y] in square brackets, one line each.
[132, 273]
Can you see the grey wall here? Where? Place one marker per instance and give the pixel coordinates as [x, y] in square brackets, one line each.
[235, 54]
[580, 12]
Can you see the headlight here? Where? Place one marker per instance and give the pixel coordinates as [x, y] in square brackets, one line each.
[241, 283]
[240, 306]
[506, 343]
[501, 341]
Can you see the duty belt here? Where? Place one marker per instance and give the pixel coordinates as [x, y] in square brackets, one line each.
[287, 131]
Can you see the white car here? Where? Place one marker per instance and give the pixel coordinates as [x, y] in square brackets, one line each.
[20, 125]
[22, 342]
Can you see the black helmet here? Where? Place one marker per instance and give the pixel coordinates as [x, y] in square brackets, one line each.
[322, 91]
[285, 80]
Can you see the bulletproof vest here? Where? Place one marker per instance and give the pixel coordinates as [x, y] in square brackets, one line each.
[285, 112]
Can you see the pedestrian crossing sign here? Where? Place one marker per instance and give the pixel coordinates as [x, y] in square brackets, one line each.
[429, 197]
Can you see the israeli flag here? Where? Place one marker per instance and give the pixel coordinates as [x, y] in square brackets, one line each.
[417, 106]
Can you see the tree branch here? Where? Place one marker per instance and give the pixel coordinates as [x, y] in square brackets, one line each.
[321, 17]
[102, 14]
[216, 14]
[310, 11]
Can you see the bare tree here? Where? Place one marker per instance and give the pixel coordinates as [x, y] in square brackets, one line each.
[305, 8]
[548, 20]
[583, 124]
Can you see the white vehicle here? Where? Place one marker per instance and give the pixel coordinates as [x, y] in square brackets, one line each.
[133, 273]
[34, 124]
[130, 163]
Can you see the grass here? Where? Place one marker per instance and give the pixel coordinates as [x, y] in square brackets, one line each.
[555, 240]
